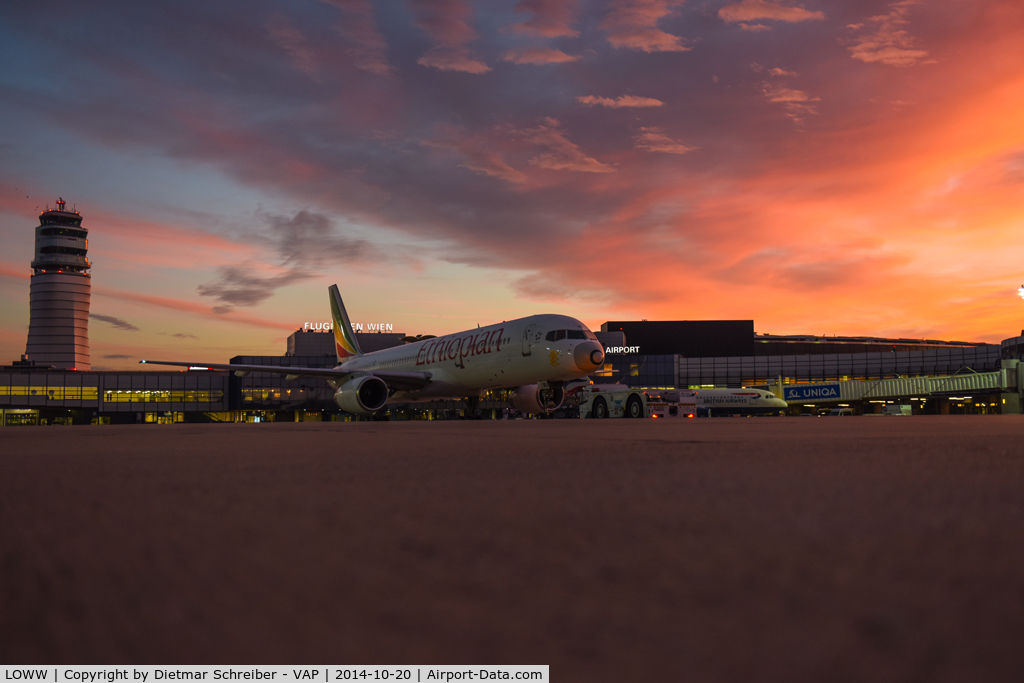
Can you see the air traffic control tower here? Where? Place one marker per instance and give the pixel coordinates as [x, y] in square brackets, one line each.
[58, 331]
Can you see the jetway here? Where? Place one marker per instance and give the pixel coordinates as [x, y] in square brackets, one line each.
[1007, 379]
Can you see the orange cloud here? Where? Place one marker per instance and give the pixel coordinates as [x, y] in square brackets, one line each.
[888, 43]
[620, 102]
[550, 18]
[537, 55]
[654, 140]
[751, 10]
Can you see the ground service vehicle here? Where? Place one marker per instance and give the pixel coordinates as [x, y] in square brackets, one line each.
[660, 407]
[896, 409]
[611, 400]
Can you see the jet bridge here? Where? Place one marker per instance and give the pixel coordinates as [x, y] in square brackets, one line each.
[1008, 379]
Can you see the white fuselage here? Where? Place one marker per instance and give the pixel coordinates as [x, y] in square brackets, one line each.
[505, 355]
[737, 400]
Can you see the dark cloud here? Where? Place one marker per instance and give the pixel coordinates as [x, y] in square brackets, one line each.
[238, 287]
[182, 335]
[116, 356]
[309, 239]
[305, 244]
[116, 322]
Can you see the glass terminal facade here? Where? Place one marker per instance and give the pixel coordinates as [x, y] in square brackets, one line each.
[35, 396]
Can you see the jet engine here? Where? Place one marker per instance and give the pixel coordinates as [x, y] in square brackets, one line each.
[533, 398]
[362, 395]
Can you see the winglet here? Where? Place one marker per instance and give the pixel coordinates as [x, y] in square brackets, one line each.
[344, 338]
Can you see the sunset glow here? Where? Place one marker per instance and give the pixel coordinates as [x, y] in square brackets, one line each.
[822, 167]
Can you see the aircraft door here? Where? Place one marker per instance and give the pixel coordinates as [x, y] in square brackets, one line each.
[528, 339]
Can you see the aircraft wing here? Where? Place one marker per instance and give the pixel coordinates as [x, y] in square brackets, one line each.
[399, 380]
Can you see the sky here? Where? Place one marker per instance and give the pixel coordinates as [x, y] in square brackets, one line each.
[824, 167]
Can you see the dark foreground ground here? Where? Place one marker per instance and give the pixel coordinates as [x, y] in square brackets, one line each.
[771, 549]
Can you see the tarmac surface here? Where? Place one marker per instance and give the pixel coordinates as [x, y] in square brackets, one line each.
[731, 549]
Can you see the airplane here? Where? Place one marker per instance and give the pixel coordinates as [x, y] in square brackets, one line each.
[733, 401]
[709, 401]
[532, 356]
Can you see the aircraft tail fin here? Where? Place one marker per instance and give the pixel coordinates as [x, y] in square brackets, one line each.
[345, 343]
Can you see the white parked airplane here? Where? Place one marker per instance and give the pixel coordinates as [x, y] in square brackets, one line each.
[731, 401]
[533, 356]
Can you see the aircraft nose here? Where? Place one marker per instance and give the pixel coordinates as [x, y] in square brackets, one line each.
[588, 356]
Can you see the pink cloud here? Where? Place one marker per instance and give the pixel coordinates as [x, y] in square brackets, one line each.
[189, 307]
[368, 47]
[620, 102]
[752, 10]
[537, 55]
[551, 18]
[561, 154]
[633, 24]
[288, 38]
[477, 153]
[14, 271]
[447, 23]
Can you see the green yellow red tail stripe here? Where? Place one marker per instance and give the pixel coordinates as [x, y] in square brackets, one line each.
[345, 343]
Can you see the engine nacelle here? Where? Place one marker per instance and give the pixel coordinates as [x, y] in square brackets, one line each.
[362, 396]
[532, 398]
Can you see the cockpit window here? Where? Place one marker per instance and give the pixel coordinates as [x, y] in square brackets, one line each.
[558, 335]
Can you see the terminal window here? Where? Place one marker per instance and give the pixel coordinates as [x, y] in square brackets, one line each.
[52, 393]
[162, 396]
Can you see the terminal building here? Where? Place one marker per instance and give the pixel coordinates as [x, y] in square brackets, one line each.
[862, 373]
[53, 383]
[814, 374]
